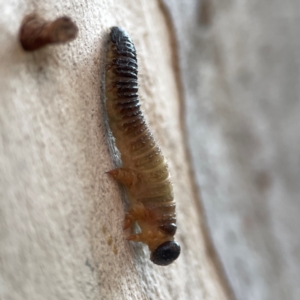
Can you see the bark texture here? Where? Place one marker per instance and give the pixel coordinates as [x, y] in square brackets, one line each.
[241, 74]
[61, 216]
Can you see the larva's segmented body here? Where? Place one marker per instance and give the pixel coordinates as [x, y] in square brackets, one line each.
[144, 172]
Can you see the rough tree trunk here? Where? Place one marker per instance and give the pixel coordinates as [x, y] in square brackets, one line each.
[61, 217]
[241, 74]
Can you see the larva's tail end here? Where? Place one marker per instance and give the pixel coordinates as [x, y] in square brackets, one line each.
[165, 253]
[117, 34]
[115, 30]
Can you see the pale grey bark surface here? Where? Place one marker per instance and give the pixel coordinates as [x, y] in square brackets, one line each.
[61, 217]
[241, 76]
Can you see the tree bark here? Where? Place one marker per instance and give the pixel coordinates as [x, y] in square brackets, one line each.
[61, 233]
[240, 72]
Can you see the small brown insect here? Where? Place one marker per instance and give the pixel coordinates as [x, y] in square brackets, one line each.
[144, 172]
[36, 33]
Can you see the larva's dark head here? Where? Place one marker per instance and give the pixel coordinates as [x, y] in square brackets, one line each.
[165, 253]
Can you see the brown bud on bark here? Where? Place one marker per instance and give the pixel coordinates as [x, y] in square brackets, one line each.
[36, 33]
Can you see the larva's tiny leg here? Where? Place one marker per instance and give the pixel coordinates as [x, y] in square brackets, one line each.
[137, 212]
[136, 237]
[128, 177]
[129, 220]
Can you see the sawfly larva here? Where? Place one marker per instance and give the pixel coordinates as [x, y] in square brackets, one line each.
[144, 171]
